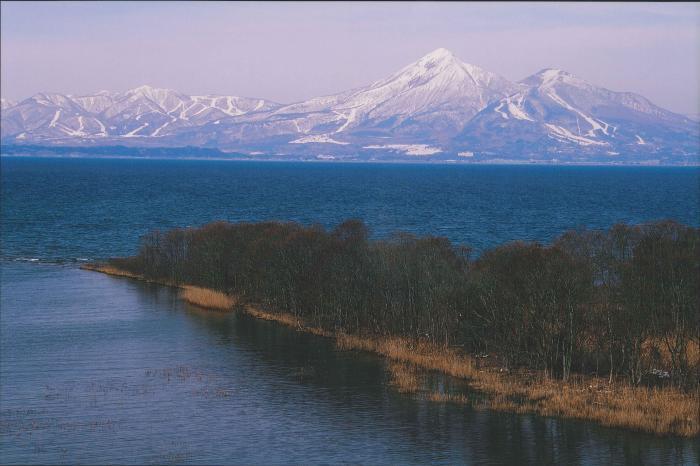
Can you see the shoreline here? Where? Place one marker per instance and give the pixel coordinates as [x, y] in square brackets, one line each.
[660, 411]
[450, 162]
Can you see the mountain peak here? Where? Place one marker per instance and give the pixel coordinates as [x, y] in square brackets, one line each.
[142, 89]
[437, 54]
[553, 73]
[550, 76]
[6, 103]
[441, 58]
[437, 99]
[443, 62]
[50, 98]
[148, 90]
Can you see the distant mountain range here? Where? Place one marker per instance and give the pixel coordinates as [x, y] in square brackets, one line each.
[438, 108]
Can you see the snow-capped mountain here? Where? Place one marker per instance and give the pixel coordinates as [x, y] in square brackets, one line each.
[143, 112]
[438, 86]
[558, 113]
[47, 115]
[431, 98]
[6, 103]
[435, 108]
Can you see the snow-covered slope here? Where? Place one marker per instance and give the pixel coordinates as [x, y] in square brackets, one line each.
[437, 107]
[430, 99]
[143, 112]
[558, 113]
[49, 116]
[6, 103]
[437, 83]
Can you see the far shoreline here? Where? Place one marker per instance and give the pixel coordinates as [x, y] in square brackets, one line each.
[450, 162]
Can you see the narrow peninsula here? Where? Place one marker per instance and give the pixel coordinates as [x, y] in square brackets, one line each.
[598, 325]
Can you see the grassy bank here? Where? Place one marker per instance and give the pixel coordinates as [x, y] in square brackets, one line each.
[607, 401]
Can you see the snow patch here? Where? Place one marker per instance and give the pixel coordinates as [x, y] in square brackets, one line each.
[74, 132]
[161, 127]
[409, 149]
[348, 119]
[103, 130]
[231, 109]
[318, 138]
[465, 154]
[595, 125]
[183, 112]
[299, 130]
[132, 134]
[81, 127]
[204, 107]
[517, 110]
[498, 110]
[550, 76]
[563, 134]
[55, 119]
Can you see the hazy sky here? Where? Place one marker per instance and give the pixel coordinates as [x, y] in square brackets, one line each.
[291, 51]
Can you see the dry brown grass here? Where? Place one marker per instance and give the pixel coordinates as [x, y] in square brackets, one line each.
[109, 270]
[407, 378]
[693, 352]
[660, 411]
[198, 296]
[655, 348]
[207, 298]
[442, 397]
[420, 353]
[116, 272]
[285, 319]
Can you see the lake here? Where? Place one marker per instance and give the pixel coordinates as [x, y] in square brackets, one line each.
[97, 369]
[70, 209]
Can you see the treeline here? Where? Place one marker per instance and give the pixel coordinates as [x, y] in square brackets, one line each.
[620, 303]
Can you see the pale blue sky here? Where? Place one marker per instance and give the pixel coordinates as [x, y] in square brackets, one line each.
[292, 51]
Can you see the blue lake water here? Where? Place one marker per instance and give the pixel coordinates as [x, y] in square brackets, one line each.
[66, 209]
[96, 369]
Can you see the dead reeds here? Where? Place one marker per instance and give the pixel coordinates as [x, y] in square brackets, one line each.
[206, 298]
[661, 411]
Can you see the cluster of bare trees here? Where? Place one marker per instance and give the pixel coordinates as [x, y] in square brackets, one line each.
[621, 302]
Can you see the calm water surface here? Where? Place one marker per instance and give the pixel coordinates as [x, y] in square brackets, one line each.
[95, 369]
[69, 209]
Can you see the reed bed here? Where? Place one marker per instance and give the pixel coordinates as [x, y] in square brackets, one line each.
[206, 298]
[406, 378]
[285, 319]
[117, 272]
[661, 411]
[110, 270]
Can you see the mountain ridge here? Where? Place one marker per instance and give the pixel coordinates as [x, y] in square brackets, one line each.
[436, 107]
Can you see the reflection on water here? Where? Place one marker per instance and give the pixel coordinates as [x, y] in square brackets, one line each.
[96, 369]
